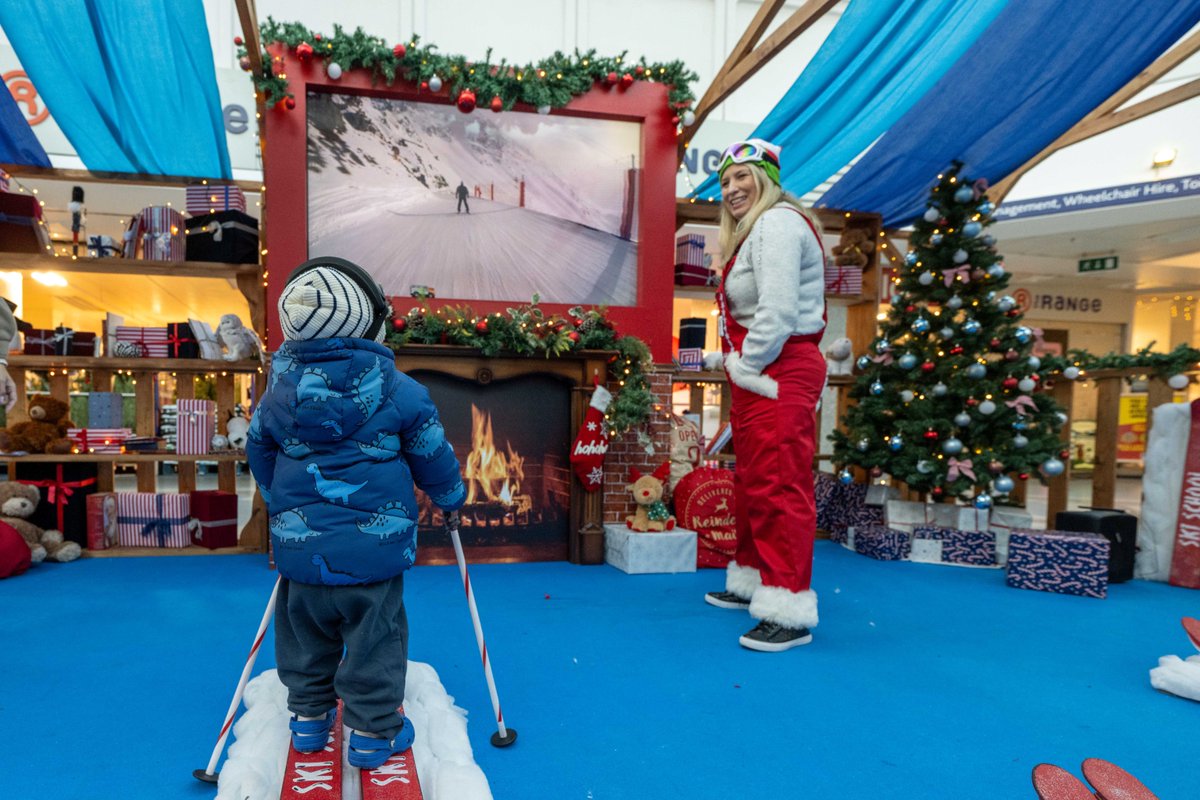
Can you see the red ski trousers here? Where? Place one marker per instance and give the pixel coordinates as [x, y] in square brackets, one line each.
[775, 441]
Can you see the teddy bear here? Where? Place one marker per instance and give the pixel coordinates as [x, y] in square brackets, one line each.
[854, 249]
[647, 490]
[45, 432]
[17, 502]
[838, 356]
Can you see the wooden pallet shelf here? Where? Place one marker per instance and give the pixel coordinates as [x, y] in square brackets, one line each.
[124, 458]
[187, 366]
[126, 266]
[193, 550]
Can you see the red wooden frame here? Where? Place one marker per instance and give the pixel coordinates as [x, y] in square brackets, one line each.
[286, 178]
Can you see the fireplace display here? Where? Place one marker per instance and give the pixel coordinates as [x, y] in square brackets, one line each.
[512, 439]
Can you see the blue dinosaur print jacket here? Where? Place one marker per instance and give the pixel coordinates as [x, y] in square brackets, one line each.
[335, 446]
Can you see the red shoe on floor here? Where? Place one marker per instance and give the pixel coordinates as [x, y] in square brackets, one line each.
[1113, 783]
[1055, 783]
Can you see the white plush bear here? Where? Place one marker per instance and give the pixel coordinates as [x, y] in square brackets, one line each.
[838, 356]
[239, 341]
[237, 429]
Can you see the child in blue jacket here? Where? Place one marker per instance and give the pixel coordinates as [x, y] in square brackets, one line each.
[335, 446]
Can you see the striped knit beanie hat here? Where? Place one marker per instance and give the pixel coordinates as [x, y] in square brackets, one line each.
[323, 303]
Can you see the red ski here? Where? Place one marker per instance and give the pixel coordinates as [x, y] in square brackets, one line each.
[316, 776]
[395, 779]
[1192, 626]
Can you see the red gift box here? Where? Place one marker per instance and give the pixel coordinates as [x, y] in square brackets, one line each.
[214, 519]
[22, 229]
[40, 342]
[101, 521]
[149, 342]
[209, 198]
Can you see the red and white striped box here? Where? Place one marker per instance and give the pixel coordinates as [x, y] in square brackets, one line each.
[211, 198]
[153, 520]
[194, 427]
[847, 279]
[99, 440]
[149, 342]
[157, 233]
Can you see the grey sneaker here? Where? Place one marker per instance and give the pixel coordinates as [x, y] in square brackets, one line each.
[771, 637]
[726, 600]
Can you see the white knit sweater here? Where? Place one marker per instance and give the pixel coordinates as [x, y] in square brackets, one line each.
[776, 290]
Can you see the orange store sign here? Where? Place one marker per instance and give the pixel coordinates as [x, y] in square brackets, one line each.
[23, 91]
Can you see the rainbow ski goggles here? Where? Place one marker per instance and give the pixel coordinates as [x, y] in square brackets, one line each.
[752, 151]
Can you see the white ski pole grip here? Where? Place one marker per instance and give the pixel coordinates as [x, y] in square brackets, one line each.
[503, 736]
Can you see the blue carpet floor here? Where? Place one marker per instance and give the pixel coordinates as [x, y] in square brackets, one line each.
[922, 681]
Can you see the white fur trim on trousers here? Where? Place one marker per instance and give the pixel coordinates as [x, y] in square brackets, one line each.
[748, 379]
[742, 581]
[789, 609]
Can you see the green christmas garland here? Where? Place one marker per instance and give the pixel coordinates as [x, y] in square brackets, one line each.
[526, 331]
[552, 81]
[1181, 360]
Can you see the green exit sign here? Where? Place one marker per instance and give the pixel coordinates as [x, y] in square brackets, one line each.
[1097, 264]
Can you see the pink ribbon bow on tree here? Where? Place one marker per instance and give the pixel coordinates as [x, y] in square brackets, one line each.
[980, 188]
[883, 358]
[1021, 403]
[965, 467]
[963, 271]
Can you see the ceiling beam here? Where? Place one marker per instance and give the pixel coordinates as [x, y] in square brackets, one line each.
[1105, 116]
[743, 63]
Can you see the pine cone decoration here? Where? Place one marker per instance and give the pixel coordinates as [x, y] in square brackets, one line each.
[589, 323]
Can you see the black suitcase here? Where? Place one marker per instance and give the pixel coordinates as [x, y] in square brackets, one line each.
[1118, 527]
[229, 237]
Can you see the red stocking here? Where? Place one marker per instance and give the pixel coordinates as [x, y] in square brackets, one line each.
[587, 454]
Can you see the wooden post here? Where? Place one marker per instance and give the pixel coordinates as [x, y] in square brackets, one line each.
[1059, 487]
[226, 470]
[105, 470]
[1157, 394]
[59, 385]
[1108, 408]
[146, 422]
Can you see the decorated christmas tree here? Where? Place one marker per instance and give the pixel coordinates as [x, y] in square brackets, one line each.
[948, 396]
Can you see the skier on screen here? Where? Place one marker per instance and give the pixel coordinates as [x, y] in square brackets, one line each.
[462, 192]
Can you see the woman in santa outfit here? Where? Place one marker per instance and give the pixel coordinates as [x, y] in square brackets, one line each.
[772, 305]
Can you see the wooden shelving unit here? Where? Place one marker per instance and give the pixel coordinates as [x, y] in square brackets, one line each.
[186, 366]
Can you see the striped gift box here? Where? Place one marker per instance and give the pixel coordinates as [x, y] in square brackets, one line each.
[156, 233]
[846, 279]
[99, 440]
[209, 199]
[153, 520]
[689, 249]
[149, 342]
[195, 425]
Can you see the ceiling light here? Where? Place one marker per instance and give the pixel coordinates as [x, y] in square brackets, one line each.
[49, 279]
[1164, 157]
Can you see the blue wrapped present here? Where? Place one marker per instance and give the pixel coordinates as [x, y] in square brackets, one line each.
[882, 543]
[105, 409]
[933, 544]
[1067, 562]
[827, 491]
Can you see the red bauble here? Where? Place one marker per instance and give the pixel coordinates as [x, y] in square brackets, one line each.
[936, 491]
[928, 366]
[995, 344]
[1011, 355]
[465, 101]
[576, 321]
[610, 78]
[876, 472]
[316, 37]
[1016, 312]
[573, 336]
[639, 69]
[304, 51]
[972, 402]
[1024, 476]
[424, 86]
[910, 309]
[289, 103]
[1064, 454]
[1009, 383]
[244, 63]
[957, 349]
[237, 40]
[481, 327]
[399, 50]
[497, 104]
[931, 434]
[1035, 377]
[675, 120]
[626, 81]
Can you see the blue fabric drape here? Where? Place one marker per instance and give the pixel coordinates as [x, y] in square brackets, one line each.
[18, 143]
[878, 60]
[1041, 67]
[131, 83]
